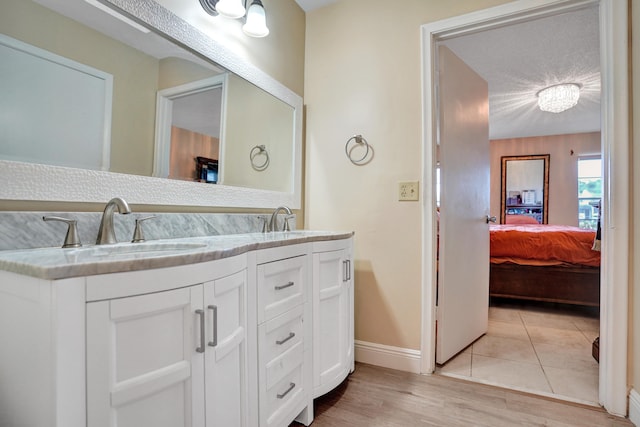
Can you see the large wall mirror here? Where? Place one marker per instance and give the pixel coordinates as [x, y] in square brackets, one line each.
[525, 189]
[170, 101]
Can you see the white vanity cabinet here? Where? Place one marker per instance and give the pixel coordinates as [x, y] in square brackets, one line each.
[153, 358]
[333, 339]
[246, 340]
[283, 285]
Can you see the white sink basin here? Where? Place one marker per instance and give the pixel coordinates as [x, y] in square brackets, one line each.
[143, 249]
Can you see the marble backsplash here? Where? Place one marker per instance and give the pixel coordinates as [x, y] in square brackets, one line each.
[27, 230]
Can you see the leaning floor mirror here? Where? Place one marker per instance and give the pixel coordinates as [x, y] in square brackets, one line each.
[524, 189]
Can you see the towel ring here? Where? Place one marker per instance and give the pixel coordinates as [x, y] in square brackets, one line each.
[256, 151]
[358, 139]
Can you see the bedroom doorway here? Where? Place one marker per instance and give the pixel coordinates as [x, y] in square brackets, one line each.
[615, 145]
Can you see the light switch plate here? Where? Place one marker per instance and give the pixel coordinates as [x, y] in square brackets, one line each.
[408, 191]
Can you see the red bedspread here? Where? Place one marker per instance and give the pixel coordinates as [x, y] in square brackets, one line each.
[543, 244]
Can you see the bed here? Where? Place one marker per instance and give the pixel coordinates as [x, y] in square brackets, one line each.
[544, 263]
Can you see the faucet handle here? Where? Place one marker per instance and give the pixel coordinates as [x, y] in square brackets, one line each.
[286, 222]
[138, 236]
[71, 240]
[265, 224]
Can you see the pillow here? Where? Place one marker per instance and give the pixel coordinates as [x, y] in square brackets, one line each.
[520, 219]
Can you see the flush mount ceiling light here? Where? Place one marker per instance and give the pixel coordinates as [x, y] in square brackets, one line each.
[558, 98]
[255, 21]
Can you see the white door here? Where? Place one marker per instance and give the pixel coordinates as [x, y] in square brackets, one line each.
[225, 301]
[143, 368]
[332, 358]
[463, 272]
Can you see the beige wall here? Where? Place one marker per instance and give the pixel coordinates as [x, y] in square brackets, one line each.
[362, 76]
[634, 300]
[564, 151]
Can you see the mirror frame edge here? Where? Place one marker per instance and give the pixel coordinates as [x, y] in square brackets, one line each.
[503, 182]
[37, 182]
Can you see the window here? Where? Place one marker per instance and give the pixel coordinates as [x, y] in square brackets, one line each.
[589, 191]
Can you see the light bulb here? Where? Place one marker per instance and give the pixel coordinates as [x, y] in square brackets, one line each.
[256, 24]
[230, 8]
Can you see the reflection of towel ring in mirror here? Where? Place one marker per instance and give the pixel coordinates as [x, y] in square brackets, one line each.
[256, 151]
[359, 140]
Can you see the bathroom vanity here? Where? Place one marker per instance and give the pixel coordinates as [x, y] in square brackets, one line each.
[237, 330]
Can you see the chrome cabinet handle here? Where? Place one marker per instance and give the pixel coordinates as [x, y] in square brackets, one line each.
[214, 308]
[201, 314]
[280, 287]
[491, 219]
[291, 335]
[346, 276]
[287, 391]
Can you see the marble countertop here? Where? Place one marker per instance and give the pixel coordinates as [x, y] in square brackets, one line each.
[58, 263]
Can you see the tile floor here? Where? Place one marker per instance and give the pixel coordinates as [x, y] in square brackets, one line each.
[539, 348]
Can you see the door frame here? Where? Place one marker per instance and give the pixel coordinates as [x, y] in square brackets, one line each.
[615, 147]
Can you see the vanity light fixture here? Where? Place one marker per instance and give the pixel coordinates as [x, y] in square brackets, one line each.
[558, 98]
[255, 21]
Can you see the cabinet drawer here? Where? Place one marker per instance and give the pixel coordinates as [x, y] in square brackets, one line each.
[281, 366]
[280, 286]
[280, 334]
[283, 398]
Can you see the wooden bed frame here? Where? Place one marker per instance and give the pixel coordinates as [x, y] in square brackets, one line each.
[568, 285]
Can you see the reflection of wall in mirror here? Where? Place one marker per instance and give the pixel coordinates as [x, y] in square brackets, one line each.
[527, 177]
[260, 119]
[186, 146]
[135, 76]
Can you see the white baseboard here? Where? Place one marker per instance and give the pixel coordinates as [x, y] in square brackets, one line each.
[634, 407]
[403, 359]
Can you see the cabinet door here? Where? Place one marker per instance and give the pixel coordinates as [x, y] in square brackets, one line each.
[143, 368]
[333, 324]
[226, 354]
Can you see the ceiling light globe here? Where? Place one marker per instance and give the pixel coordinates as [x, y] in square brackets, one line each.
[230, 8]
[559, 98]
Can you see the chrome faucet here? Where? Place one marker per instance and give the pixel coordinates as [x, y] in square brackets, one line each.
[106, 232]
[273, 224]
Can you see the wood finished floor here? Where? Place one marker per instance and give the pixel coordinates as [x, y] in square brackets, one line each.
[374, 396]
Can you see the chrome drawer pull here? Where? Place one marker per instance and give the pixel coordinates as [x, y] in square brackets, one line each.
[291, 387]
[291, 335]
[214, 308]
[280, 287]
[201, 314]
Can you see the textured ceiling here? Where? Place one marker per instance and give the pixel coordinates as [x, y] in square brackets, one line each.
[519, 60]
